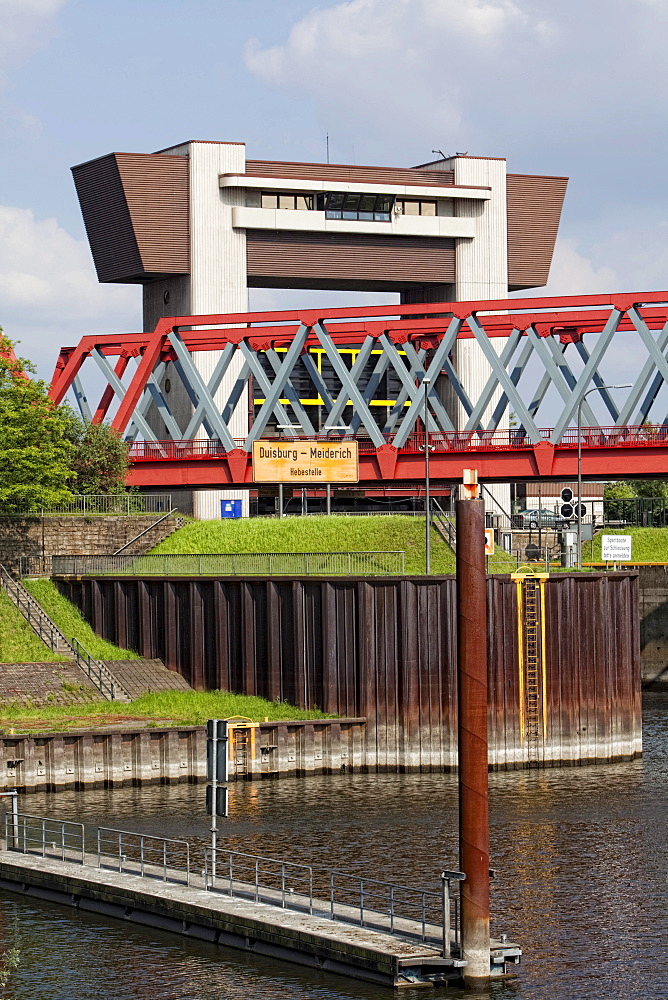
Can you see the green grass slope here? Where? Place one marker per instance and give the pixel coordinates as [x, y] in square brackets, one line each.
[649, 544]
[165, 708]
[18, 642]
[72, 624]
[313, 534]
[388, 533]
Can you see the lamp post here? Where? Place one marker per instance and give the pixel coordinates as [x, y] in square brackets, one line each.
[427, 512]
[596, 388]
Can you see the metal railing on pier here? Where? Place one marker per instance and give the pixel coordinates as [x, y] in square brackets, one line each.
[236, 564]
[406, 911]
[141, 854]
[48, 838]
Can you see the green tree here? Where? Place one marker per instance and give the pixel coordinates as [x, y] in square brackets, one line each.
[620, 490]
[35, 450]
[101, 459]
[650, 487]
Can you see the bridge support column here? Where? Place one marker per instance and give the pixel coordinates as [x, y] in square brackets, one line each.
[472, 734]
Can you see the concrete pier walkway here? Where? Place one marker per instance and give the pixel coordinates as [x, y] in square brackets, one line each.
[313, 940]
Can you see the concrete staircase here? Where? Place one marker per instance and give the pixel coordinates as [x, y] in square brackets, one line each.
[165, 526]
[94, 670]
[45, 684]
[146, 676]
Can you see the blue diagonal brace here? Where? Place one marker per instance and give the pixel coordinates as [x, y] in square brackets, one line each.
[647, 372]
[504, 379]
[492, 385]
[585, 378]
[599, 382]
[349, 388]
[437, 365]
[359, 364]
[273, 390]
[118, 387]
[415, 390]
[299, 411]
[192, 379]
[217, 376]
[82, 400]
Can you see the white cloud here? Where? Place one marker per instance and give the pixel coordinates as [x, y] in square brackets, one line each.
[385, 69]
[25, 25]
[49, 295]
[572, 273]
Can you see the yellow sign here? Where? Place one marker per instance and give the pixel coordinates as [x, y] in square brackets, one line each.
[489, 541]
[305, 462]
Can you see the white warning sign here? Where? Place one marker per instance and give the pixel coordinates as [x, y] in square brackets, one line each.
[616, 548]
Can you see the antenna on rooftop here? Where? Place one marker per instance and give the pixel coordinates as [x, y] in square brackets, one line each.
[327, 145]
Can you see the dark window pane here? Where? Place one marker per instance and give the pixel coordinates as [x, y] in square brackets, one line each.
[320, 202]
[334, 202]
[351, 202]
[367, 203]
[384, 202]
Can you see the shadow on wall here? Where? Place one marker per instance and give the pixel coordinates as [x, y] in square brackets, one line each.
[654, 648]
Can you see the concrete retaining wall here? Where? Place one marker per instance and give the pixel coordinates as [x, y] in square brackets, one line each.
[43, 537]
[76, 760]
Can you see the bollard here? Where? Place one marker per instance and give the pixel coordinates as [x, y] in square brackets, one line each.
[472, 735]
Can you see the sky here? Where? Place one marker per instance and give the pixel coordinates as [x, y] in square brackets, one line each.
[572, 88]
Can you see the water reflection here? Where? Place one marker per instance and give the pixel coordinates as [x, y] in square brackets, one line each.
[581, 858]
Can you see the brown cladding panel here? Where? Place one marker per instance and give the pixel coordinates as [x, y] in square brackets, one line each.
[345, 172]
[135, 210]
[330, 260]
[107, 220]
[156, 190]
[534, 209]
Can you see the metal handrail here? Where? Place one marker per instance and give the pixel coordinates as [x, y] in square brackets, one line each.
[271, 881]
[390, 563]
[35, 835]
[107, 504]
[51, 636]
[96, 671]
[155, 854]
[145, 531]
[33, 612]
[237, 885]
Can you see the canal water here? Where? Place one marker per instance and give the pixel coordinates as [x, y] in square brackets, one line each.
[581, 856]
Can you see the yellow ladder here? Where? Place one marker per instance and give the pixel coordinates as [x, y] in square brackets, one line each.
[241, 746]
[532, 657]
[532, 672]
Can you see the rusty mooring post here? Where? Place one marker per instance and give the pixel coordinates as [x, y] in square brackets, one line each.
[472, 726]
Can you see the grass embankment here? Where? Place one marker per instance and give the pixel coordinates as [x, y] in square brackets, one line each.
[72, 623]
[18, 642]
[649, 545]
[388, 533]
[165, 708]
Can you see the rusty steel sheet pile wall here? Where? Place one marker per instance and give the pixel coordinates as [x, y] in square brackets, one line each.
[385, 649]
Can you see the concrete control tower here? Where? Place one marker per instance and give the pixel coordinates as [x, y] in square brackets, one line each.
[198, 224]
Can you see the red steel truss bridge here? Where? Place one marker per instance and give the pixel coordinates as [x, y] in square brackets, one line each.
[360, 372]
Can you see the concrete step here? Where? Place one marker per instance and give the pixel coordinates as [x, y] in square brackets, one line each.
[144, 676]
[45, 683]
